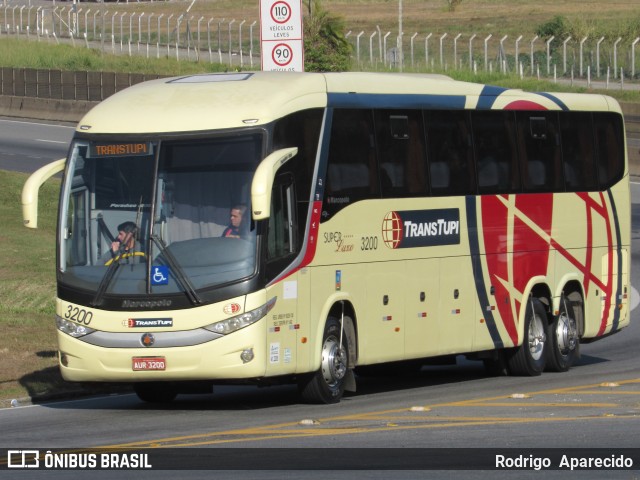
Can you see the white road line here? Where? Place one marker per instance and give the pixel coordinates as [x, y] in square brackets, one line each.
[37, 123]
[50, 141]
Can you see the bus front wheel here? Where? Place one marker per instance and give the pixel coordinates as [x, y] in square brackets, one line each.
[328, 383]
[529, 358]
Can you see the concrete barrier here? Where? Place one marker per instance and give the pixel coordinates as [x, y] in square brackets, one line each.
[44, 108]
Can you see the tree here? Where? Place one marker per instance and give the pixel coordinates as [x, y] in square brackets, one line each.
[325, 47]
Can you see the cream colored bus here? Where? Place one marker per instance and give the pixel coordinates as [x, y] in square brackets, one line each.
[296, 227]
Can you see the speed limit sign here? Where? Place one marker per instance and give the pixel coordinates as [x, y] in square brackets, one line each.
[281, 35]
[282, 54]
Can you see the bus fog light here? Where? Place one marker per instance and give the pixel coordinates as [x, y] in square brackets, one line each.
[64, 361]
[247, 355]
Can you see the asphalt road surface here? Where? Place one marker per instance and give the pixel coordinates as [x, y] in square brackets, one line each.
[594, 405]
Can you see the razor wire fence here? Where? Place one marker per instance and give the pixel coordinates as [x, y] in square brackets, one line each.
[189, 37]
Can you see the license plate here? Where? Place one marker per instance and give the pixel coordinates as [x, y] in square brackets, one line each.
[148, 363]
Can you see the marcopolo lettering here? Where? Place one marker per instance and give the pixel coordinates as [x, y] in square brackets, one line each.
[421, 228]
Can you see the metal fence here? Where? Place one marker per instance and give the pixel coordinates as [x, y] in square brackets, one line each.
[235, 42]
[64, 85]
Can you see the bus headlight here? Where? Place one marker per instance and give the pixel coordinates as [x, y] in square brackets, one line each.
[71, 328]
[238, 322]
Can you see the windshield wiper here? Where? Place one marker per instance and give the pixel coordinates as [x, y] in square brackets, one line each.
[106, 280]
[181, 278]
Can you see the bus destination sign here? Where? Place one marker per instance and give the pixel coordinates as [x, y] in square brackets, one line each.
[120, 149]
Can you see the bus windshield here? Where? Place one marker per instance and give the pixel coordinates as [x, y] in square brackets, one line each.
[158, 217]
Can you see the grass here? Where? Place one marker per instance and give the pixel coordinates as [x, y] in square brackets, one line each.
[27, 294]
[507, 17]
[28, 345]
[18, 53]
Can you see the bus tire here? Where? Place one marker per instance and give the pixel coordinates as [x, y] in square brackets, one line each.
[155, 392]
[327, 384]
[529, 358]
[563, 335]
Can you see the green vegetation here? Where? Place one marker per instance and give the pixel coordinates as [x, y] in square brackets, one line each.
[40, 55]
[579, 27]
[326, 48]
[28, 344]
[27, 294]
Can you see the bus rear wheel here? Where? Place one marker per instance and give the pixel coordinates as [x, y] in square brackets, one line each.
[328, 383]
[529, 358]
[155, 392]
[563, 333]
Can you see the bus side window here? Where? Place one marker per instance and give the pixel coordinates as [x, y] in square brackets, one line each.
[578, 153]
[352, 168]
[451, 169]
[301, 130]
[608, 134]
[282, 227]
[539, 145]
[495, 151]
[401, 153]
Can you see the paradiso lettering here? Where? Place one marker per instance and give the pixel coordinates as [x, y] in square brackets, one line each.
[421, 228]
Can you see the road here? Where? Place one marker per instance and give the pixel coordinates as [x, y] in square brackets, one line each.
[594, 405]
[26, 146]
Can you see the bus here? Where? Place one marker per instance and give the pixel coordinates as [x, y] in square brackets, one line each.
[381, 221]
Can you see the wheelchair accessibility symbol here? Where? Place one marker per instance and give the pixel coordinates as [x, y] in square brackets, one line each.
[160, 275]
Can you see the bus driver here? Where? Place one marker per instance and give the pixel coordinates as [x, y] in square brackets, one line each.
[235, 218]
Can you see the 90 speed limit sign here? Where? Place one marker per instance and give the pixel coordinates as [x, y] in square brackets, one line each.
[284, 56]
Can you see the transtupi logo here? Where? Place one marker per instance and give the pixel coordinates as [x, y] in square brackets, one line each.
[392, 230]
[421, 228]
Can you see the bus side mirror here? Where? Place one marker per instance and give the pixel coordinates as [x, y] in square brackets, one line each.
[263, 181]
[31, 189]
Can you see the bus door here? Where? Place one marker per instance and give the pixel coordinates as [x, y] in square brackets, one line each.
[283, 324]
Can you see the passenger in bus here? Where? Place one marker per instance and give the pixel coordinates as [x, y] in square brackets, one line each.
[125, 245]
[236, 224]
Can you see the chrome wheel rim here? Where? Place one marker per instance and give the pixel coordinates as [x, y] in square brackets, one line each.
[537, 337]
[334, 361]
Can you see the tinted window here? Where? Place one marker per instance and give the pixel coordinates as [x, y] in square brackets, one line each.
[450, 154]
[495, 151]
[540, 154]
[578, 159]
[401, 153]
[352, 167]
[610, 147]
[302, 130]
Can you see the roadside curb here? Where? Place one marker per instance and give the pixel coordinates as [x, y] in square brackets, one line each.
[71, 394]
[44, 108]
